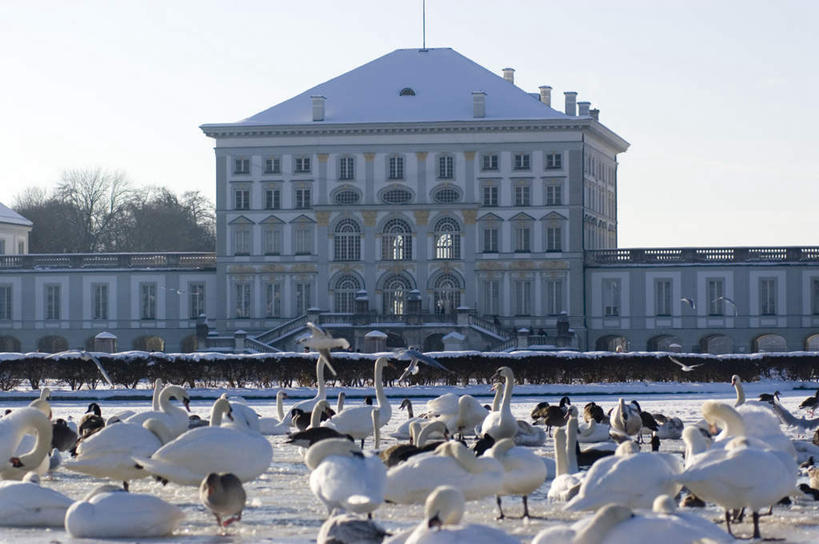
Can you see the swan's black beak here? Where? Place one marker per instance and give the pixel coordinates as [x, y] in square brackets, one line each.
[434, 521]
[187, 403]
[230, 415]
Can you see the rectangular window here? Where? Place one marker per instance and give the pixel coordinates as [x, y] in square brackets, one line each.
[346, 168]
[147, 300]
[2, 247]
[273, 241]
[241, 199]
[52, 302]
[489, 161]
[523, 238]
[396, 167]
[521, 161]
[554, 296]
[491, 297]
[611, 297]
[302, 297]
[490, 195]
[273, 299]
[767, 296]
[521, 195]
[241, 166]
[554, 161]
[304, 240]
[241, 241]
[522, 297]
[662, 297]
[554, 239]
[5, 302]
[815, 296]
[301, 165]
[273, 165]
[302, 200]
[243, 298]
[196, 299]
[716, 294]
[99, 301]
[272, 199]
[446, 167]
[553, 195]
[490, 239]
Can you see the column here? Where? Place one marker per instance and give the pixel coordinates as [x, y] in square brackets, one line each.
[421, 158]
[322, 178]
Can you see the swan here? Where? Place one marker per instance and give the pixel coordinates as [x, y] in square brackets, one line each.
[350, 529]
[13, 430]
[592, 432]
[357, 420]
[625, 419]
[446, 404]
[243, 415]
[750, 420]
[419, 443]
[566, 483]
[321, 392]
[586, 531]
[403, 430]
[343, 477]
[26, 504]
[273, 426]
[223, 495]
[322, 341]
[120, 514]
[451, 463]
[42, 403]
[529, 435]
[189, 458]
[443, 511]
[502, 424]
[668, 427]
[523, 471]
[173, 417]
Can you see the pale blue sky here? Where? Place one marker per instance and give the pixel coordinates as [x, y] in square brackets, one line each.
[716, 98]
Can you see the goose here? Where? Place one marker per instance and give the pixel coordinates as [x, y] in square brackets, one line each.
[443, 512]
[649, 424]
[14, 440]
[189, 458]
[593, 412]
[451, 463]
[550, 415]
[357, 421]
[343, 477]
[628, 478]
[350, 529]
[625, 419]
[769, 398]
[119, 514]
[321, 388]
[315, 432]
[668, 427]
[223, 494]
[273, 426]
[92, 421]
[173, 417]
[810, 403]
[567, 480]
[502, 424]
[26, 504]
[403, 430]
[586, 531]
[523, 472]
[63, 437]
[420, 443]
[322, 341]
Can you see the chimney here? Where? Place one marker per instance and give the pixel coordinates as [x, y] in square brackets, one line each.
[318, 107]
[478, 104]
[583, 109]
[546, 95]
[595, 114]
[509, 75]
[571, 103]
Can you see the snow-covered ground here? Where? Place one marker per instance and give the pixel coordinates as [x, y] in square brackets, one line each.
[281, 507]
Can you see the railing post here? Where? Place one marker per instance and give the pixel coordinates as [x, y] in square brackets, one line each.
[523, 337]
[463, 316]
[239, 341]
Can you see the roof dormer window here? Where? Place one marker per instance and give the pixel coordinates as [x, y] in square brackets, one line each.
[406, 91]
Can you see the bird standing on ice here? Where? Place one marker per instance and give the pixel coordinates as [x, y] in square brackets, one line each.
[223, 495]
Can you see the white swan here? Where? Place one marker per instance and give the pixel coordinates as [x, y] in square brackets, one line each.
[451, 463]
[26, 504]
[523, 471]
[189, 458]
[750, 420]
[13, 429]
[357, 420]
[120, 514]
[321, 391]
[173, 417]
[625, 419]
[502, 424]
[566, 482]
[529, 435]
[443, 511]
[403, 430]
[668, 427]
[243, 415]
[273, 426]
[348, 529]
[586, 531]
[593, 432]
[343, 477]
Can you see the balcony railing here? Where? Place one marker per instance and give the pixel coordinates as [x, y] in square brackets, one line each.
[50, 261]
[703, 255]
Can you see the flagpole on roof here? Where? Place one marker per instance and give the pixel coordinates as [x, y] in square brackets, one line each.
[424, 24]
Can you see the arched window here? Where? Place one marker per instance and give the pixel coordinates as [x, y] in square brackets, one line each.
[396, 241]
[345, 291]
[395, 295]
[347, 241]
[447, 293]
[447, 239]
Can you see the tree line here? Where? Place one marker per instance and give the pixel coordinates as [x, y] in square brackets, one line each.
[95, 210]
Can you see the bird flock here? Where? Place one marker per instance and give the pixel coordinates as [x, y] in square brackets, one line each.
[609, 471]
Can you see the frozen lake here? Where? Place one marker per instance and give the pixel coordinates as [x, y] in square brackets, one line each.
[281, 507]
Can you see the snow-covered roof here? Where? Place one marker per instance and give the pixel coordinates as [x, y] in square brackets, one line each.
[9, 216]
[442, 81]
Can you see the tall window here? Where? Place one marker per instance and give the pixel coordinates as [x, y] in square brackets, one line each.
[815, 296]
[553, 195]
[522, 195]
[523, 238]
[716, 292]
[396, 167]
[554, 238]
[347, 241]
[446, 167]
[196, 299]
[303, 297]
[302, 198]
[490, 195]
[241, 166]
[241, 199]
[303, 239]
[241, 241]
[611, 297]
[272, 240]
[662, 297]
[301, 165]
[99, 301]
[346, 168]
[243, 298]
[344, 296]
[447, 294]
[554, 296]
[52, 302]
[489, 161]
[272, 199]
[147, 300]
[273, 299]
[490, 297]
[395, 295]
[273, 165]
[521, 161]
[447, 239]
[554, 161]
[5, 302]
[522, 296]
[490, 239]
[396, 241]
[2, 247]
[767, 296]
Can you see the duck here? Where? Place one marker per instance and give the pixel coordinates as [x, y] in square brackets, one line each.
[92, 421]
[625, 419]
[343, 477]
[189, 458]
[403, 430]
[315, 432]
[223, 494]
[501, 423]
[567, 480]
[173, 417]
[523, 472]
[341, 528]
[27, 504]
[810, 403]
[321, 387]
[18, 455]
[357, 420]
[668, 427]
[277, 426]
[118, 514]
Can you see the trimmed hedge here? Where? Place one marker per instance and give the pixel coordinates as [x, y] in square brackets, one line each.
[289, 369]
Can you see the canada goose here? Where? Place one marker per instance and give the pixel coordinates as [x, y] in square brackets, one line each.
[223, 495]
[398, 453]
[551, 416]
[314, 432]
[810, 403]
[62, 437]
[593, 412]
[769, 398]
[92, 421]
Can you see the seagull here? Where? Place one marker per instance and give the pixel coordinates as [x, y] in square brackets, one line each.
[85, 356]
[689, 301]
[684, 367]
[414, 356]
[322, 341]
[729, 301]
